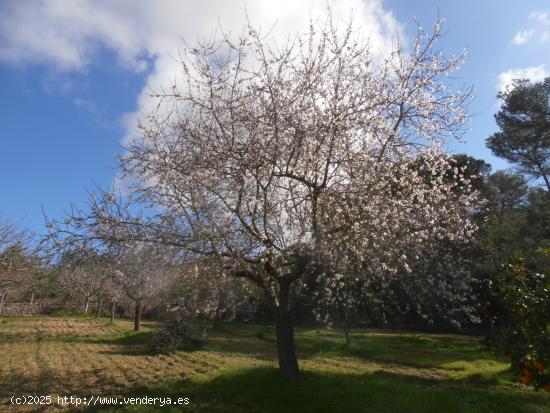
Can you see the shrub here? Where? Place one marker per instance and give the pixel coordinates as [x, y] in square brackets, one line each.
[525, 337]
[178, 334]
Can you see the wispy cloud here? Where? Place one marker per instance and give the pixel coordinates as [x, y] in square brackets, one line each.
[522, 36]
[535, 74]
[85, 104]
[540, 16]
[539, 30]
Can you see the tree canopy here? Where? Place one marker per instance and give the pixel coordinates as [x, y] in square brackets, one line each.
[524, 122]
[313, 156]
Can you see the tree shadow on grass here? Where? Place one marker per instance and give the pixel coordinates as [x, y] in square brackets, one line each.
[129, 338]
[263, 390]
[444, 349]
[245, 346]
[406, 350]
[134, 343]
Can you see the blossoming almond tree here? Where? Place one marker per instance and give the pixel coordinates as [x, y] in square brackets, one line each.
[80, 283]
[435, 286]
[199, 290]
[109, 254]
[142, 273]
[268, 152]
[427, 261]
[19, 265]
[275, 157]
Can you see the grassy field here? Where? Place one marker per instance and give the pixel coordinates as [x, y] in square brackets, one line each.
[235, 371]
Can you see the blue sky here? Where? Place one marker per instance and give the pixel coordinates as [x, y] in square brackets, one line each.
[74, 76]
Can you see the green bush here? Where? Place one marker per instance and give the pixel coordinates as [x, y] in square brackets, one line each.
[525, 337]
[178, 334]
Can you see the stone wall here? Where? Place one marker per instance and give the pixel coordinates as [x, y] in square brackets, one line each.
[26, 309]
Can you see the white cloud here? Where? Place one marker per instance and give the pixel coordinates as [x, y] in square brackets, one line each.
[522, 36]
[540, 29]
[540, 16]
[535, 74]
[66, 35]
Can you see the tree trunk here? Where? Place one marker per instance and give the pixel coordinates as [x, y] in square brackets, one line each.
[137, 315]
[288, 363]
[86, 305]
[1, 302]
[113, 306]
[547, 182]
[32, 298]
[346, 327]
[544, 177]
[98, 308]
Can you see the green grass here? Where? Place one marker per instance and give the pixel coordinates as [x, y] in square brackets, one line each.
[73, 314]
[236, 370]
